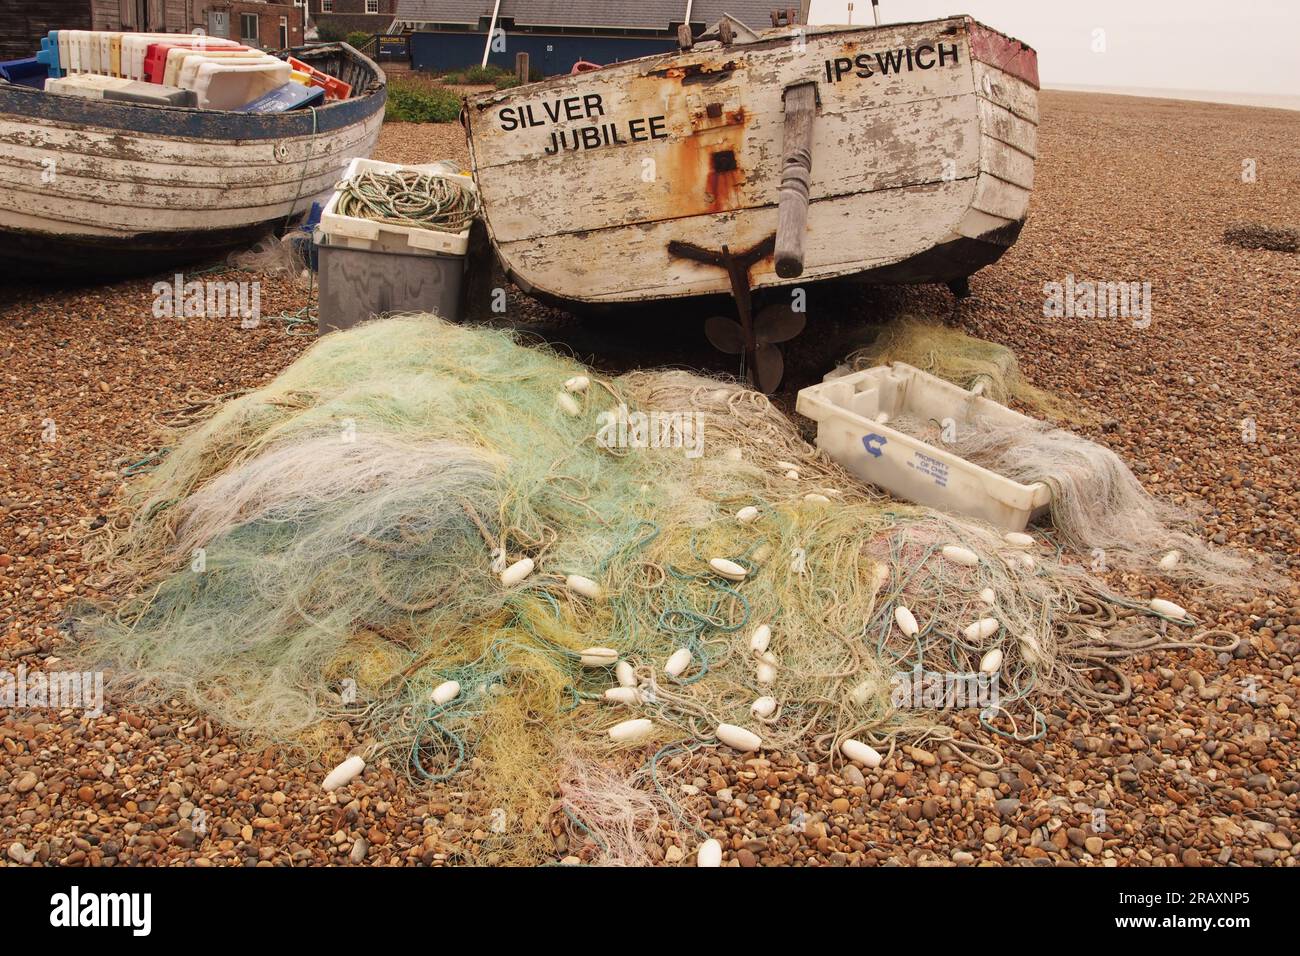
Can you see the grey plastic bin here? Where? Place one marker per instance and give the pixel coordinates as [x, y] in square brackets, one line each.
[153, 94]
[357, 284]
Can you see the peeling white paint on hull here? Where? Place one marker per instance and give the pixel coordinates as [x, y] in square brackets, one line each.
[93, 191]
[923, 155]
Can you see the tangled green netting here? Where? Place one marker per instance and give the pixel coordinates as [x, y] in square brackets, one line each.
[959, 358]
[342, 531]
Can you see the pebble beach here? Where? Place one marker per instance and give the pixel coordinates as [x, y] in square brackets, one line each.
[1200, 395]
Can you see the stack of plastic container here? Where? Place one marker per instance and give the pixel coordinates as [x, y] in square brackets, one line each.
[368, 267]
[176, 57]
[183, 69]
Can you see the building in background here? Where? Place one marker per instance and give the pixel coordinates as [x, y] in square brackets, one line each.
[341, 17]
[271, 26]
[257, 22]
[24, 22]
[451, 34]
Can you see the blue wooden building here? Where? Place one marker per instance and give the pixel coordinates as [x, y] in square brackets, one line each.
[451, 34]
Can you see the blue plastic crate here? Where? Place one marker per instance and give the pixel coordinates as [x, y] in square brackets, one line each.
[305, 242]
[49, 54]
[26, 72]
[291, 96]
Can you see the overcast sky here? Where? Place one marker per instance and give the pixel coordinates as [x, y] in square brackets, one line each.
[1247, 46]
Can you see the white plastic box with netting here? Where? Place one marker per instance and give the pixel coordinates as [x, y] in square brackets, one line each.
[853, 414]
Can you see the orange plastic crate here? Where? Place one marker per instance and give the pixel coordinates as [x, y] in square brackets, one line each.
[335, 89]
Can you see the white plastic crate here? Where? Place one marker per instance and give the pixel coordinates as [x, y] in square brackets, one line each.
[106, 58]
[852, 414]
[356, 233]
[87, 85]
[179, 57]
[229, 85]
[79, 52]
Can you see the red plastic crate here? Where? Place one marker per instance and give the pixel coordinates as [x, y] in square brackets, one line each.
[335, 89]
[155, 57]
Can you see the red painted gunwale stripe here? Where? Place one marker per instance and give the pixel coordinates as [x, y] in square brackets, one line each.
[1007, 54]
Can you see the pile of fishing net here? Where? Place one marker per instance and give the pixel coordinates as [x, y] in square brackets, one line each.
[1252, 235]
[459, 545]
[985, 367]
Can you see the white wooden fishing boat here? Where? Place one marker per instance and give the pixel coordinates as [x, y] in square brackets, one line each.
[97, 189]
[686, 174]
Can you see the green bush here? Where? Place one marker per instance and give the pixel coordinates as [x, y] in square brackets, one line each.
[407, 104]
[485, 74]
[490, 75]
[509, 80]
[359, 38]
[330, 34]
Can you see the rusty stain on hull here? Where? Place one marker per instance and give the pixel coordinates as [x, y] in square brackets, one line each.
[696, 73]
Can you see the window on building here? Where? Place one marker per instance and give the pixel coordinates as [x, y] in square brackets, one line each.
[248, 26]
[372, 6]
[326, 6]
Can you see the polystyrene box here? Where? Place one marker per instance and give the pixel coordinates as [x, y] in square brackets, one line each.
[852, 414]
[357, 233]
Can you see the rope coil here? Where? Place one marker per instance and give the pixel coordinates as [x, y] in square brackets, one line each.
[410, 198]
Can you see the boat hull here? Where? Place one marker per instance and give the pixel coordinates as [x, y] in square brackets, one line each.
[923, 151]
[95, 190]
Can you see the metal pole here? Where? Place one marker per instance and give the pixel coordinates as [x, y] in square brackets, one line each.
[875, 11]
[487, 47]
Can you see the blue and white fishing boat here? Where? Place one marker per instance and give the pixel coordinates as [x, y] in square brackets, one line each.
[96, 189]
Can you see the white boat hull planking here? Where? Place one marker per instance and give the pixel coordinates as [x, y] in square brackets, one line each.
[68, 180]
[924, 142]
